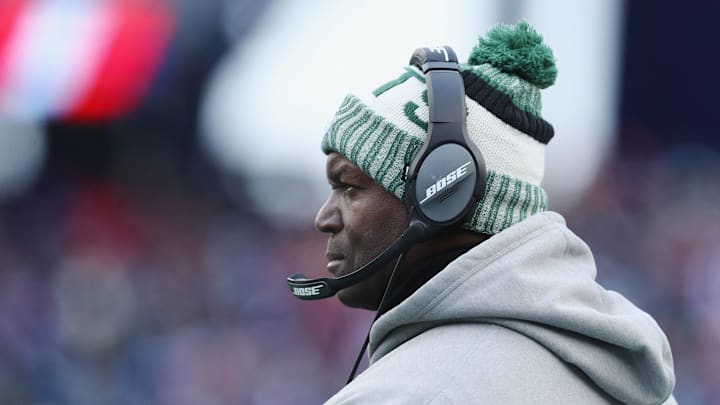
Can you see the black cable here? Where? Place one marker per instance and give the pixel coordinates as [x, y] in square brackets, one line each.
[377, 315]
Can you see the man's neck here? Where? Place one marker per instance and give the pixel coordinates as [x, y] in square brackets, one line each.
[426, 259]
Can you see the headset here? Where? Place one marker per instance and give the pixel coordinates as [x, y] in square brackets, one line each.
[443, 183]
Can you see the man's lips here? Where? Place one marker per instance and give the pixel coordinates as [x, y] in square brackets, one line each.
[332, 256]
[334, 260]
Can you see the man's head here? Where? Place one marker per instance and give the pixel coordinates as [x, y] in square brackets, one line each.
[379, 135]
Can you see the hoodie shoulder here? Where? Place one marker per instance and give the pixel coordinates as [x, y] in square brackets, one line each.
[537, 279]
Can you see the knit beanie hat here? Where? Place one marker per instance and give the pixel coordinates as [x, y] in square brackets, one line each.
[382, 131]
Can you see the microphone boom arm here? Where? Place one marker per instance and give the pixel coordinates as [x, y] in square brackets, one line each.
[318, 288]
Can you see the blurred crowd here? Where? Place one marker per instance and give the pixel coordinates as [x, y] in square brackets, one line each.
[111, 294]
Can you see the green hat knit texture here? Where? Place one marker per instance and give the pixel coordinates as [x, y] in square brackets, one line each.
[382, 131]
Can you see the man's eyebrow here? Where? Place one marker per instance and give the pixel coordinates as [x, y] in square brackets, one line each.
[335, 173]
[344, 173]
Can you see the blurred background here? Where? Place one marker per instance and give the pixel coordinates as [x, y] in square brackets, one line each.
[160, 169]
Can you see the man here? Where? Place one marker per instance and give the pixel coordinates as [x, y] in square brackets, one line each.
[503, 309]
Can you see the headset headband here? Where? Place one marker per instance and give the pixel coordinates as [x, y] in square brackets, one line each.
[447, 176]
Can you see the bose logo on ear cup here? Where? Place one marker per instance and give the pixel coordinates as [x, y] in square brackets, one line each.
[445, 181]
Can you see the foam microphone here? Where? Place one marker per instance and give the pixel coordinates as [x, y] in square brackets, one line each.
[318, 288]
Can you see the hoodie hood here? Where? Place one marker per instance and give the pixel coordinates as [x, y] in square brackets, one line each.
[538, 279]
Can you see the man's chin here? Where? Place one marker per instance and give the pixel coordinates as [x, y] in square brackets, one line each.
[355, 297]
[367, 293]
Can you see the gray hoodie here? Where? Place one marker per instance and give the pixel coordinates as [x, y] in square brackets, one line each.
[517, 319]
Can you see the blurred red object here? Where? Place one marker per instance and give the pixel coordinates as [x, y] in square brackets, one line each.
[80, 60]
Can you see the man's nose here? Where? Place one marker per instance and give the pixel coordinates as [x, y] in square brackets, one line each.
[328, 218]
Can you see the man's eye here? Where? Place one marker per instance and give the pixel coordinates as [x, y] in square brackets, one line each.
[346, 188]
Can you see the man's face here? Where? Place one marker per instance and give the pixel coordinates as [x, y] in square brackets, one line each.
[362, 219]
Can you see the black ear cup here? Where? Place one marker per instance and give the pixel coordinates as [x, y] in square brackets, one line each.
[445, 184]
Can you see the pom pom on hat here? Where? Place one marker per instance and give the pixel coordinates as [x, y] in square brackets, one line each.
[517, 50]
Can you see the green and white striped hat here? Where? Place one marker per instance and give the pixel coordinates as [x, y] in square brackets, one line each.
[381, 132]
